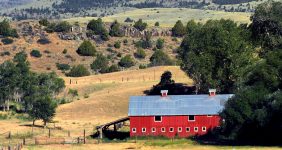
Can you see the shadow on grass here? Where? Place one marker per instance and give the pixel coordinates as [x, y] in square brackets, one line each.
[113, 135]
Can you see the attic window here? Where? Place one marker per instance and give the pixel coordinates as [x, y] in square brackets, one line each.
[191, 118]
[158, 118]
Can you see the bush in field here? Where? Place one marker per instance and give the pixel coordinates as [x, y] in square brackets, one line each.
[178, 30]
[115, 30]
[100, 64]
[86, 49]
[43, 41]
[126, 61]
[35, 53]
[78, 71]
[160, 43]
[117, 44]
[63, 67]
[7, 41]
[145, 42]
[140, 25]
[157, 24]
[140, 53]
[97, 27]
[44, 22]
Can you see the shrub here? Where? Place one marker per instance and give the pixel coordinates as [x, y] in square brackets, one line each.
[7, 41]
[110, 50]
[100, 64]
[110, 45]
[86, 49]
[47, 51]
[157, 24]
[35, 53]
[44, 22]
[142, 66]
[117, 44]
[159, 58]
[60, 27]
[113, 68]
[140, 53]
[63, 67]
[97, 27]
[119, 54]
[128, 20]
[125, 41]
[6, 53]
[126, 61]
[63, 27]
[160, 43]
[178, 30]
[78, 71]
[43, 41]
[145, 43]
[73, 92]
[65, 51]
[115, 30]
[140, 25]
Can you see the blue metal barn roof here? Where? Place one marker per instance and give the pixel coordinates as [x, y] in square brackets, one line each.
[177, 105]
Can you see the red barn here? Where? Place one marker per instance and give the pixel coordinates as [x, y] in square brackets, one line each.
[171, 115]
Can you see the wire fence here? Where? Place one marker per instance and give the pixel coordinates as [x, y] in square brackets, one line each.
[41, 136]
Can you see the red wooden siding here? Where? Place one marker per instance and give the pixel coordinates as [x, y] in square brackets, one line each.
[174, 122]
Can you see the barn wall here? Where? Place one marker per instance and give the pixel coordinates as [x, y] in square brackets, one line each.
[148, 122]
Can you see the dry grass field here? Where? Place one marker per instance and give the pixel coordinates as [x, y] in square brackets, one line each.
[168, 16]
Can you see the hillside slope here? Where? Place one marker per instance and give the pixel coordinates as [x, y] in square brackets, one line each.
[104, 98]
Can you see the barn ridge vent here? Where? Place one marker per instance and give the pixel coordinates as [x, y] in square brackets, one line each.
[212, 92]
[164, 93]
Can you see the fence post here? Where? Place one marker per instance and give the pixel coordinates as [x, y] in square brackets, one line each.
[23, 141]
[68, 133]
[9, 135]
[78, 140]
[84, 141]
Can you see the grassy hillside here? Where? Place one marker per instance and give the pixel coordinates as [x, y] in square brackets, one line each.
[168, 16]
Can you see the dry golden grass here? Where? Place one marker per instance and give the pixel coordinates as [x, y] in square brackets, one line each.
[108, 95]
[168, 16]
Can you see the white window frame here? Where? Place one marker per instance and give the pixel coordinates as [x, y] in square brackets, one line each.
[195, 129]
[143, 130]
[187, 128]
[153, 129]
[171, 128]
[158, 116]
[180, 129]
[204, 129]
[133, 130]
[162, 129]
[192, 120]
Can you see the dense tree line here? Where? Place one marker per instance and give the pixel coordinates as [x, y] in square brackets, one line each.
[33, 92]
[253, 115]
[225, 2]
[215, 54]
[245, 60]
